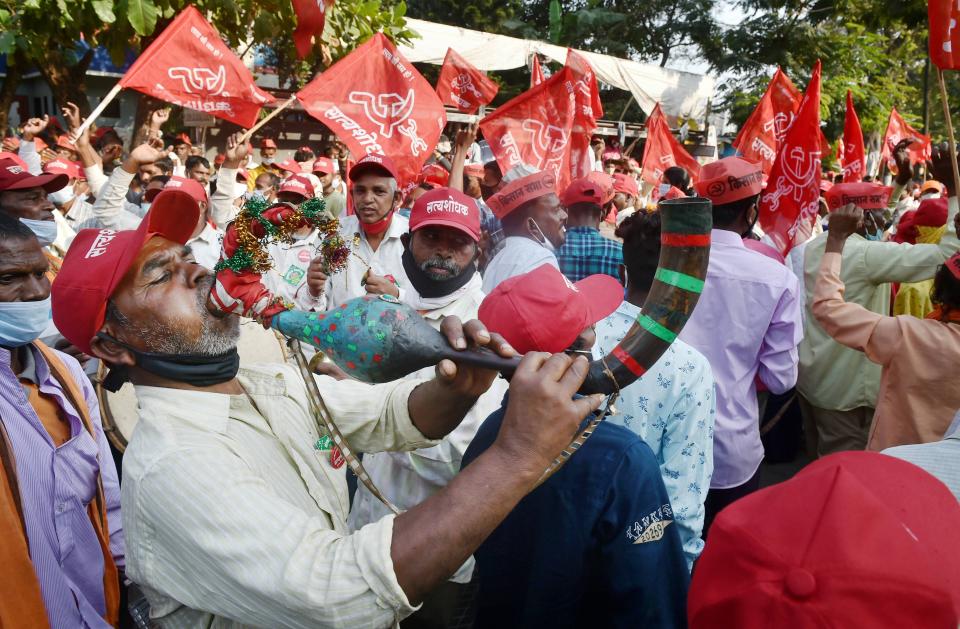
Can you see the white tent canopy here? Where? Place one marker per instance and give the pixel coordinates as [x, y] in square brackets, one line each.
[680, 93]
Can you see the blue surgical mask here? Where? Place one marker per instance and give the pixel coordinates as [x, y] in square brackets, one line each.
[878, 235]
[45, 231]
[23, 322]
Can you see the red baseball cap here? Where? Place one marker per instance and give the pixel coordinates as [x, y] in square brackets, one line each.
[856, 539]
[62, 166]
[543, 311]
[99, 258]
[729, 179]
[625, 184]
[267, 143]
[435, 175]
[64, 142]
[290, 166]
[583, 190]
[298, 184]
[182, 138]
[14, 176]
[473, 170]
[192, 187]
[16, 158]
[324, 165]
[374, 163]
[446, 207]
[605, 182]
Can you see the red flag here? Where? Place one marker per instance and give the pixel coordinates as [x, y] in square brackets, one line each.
[189, 65]
[944, 35]
[536, 74]
[791, 200]
[535, 128]
[311, 17]
[662, 151]
[761, 135]
[588, 110]
[375, 101]
[898, 129]
[463, 86]
[852, 159]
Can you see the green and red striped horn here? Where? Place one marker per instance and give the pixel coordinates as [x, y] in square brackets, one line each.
[678, 282]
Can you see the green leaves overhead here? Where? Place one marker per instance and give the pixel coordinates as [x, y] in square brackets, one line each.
[142, 15]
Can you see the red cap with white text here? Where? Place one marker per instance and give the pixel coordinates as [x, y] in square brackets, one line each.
[446, 207]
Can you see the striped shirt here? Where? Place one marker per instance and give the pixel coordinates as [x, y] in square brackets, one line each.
[585, 252]
[236, 516]
[56, 485]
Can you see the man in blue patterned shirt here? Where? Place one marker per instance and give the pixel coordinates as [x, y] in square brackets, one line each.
[585, 252]
[672, 407]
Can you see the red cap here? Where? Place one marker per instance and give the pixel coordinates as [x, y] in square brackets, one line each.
[931, 213]
[16, 158]
[583, 190]
[183, 138]
[192, 187]
[729, 179]
[64, 142]
[448, 208]
[542, 311]
[324, 165]
[867, 195]
[435, 175]
[521, 191]
[625, 184]
[290, 166]
[219, 159]
[62, 166]
[243, 175]
[605, 182]
[380, 164]
[298, 184]
[856, 539]
[98, 259]
[473, 170]
[14, 176]
[674, 193]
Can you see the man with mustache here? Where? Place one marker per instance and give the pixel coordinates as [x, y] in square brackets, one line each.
[373, 235]
[440, 259]
[237, 496]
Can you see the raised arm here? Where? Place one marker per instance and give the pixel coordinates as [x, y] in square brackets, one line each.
[28, 148]
[222, 208]
[876, 335]
[89, 158]
[465, 138]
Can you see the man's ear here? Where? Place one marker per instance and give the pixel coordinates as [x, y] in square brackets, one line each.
[109, 351]
[405, 239]
[397, 200]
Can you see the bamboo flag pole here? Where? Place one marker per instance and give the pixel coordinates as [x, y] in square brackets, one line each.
[953, 144]
[271, 116]
[99, 110]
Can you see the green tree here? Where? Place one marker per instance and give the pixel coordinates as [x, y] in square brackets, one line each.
[480, 15]
[40, 33]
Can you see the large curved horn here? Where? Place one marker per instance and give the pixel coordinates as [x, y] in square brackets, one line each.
[378, 339]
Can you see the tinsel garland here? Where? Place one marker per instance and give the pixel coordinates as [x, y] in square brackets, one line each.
[251, 254]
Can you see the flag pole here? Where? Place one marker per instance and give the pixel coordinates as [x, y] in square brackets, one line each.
[271, 116]
[98, 110]
[953, 144]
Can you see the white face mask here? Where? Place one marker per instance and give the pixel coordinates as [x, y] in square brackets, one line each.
[62, 196]
[269, 160]
[542, 238]
[45, 231]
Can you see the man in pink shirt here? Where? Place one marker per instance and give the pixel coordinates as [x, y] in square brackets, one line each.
[747, 323]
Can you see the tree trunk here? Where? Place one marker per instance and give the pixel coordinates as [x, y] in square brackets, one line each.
[11, 82]
[67, 82]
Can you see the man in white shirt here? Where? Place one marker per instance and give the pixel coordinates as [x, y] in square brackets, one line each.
[440, 258]
[234, 495]
[373, 236]
[533, 221]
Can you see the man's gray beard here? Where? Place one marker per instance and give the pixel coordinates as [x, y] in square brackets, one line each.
[215, 338]
[442, 263]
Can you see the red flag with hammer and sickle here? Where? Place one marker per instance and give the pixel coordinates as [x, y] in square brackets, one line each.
[191, 66]
[462, 85]
[944, 37]
[898, 129]
[662, 151]
[535, 128]
[588, 111]
[852, 160]
[376, 102]
[791, 200]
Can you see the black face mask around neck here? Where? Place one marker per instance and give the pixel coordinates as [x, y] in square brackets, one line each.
[431, 288]
[194, 369]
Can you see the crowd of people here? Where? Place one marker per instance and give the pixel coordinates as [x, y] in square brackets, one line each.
[234, 505]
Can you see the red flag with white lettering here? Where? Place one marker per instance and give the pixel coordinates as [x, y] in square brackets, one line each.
[311, 18]
[898, 129]
[791, 200]
[535, 128]
[191, 66]
[662, 151]
[462, 85]
[761, 135]
[588, 110]
[375, 101]
[536, 74]
[853, 160]
[944, 40]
